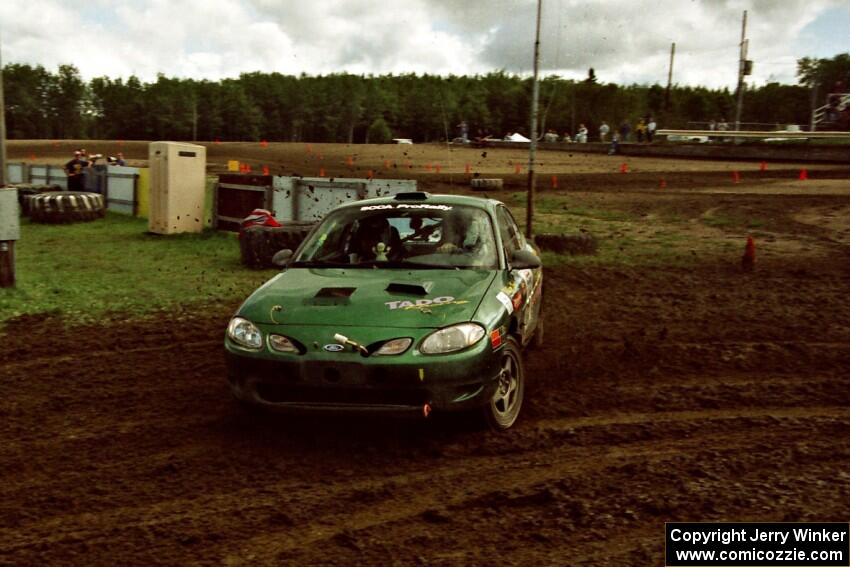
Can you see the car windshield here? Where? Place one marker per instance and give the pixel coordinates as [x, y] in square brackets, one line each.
[403, 235]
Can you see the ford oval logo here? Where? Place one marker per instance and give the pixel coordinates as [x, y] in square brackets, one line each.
[334, 347]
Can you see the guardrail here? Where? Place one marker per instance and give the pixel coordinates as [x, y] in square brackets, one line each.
[751, 134]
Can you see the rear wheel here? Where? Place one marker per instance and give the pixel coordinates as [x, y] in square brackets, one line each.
[503, 409]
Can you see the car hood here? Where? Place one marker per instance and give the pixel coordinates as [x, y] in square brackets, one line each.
[368, 297]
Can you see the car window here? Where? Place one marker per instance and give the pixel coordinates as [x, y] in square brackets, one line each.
[512, 239]
[403, 235]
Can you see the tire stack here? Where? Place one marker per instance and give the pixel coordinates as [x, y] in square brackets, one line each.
[26, 192]
[258, 244]
[55, 207]
[572, 244]
[485, 184]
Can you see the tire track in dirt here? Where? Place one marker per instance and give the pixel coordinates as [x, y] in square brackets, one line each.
[557, 461]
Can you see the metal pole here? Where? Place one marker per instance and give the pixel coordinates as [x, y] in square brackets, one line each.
[670, 76]
[813, 124]
[741, 64]
[2, 125]
[532, 148]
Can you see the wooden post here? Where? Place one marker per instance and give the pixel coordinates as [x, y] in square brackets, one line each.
[7, 263]
[2, 130]
[10, 231]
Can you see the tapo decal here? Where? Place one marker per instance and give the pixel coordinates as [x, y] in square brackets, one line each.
[419, 303]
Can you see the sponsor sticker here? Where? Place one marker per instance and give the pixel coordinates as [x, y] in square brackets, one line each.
[424, 303]
[407, 206]
[506, 301]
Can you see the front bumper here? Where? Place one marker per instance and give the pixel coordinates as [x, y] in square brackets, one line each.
[349, 383]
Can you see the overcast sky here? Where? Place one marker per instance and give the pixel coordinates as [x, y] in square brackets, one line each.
[625, 41]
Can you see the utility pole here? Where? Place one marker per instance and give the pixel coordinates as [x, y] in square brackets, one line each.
[670, 76]
[813, 124]
[532, 148]
[195, 118]
[2, 124]
[742, 69]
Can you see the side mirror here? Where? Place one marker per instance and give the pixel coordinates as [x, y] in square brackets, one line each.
[282, 257]
[524, 260]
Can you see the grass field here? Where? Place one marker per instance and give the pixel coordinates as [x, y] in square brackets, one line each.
[84, 271]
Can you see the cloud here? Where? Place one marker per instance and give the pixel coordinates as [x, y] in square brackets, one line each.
[625, 41]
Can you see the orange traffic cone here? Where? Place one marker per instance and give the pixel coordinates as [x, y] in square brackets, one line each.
[321, 172]
[748, 261]
[624, 168]
[804, 174]
[554, 182]
[517, 168]
[264, 143]
[437, 168]
[370, 174]
[468, 169]
[763, 166]
[736, 177]
[662, 184]
[265, 170]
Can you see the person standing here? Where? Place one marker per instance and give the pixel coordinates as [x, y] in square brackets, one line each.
[640, 130]
[625, 130]
[603, 131]
[581, 135]
[75, 170]
[650, 129]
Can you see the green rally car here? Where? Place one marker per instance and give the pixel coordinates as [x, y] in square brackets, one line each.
[406, 304]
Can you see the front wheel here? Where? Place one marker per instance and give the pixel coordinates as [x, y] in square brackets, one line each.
[503, 409]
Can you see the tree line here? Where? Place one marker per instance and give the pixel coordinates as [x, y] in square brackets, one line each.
[42, 104]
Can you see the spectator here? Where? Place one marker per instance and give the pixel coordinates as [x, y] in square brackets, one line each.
[712, 125]
[463, 130]
[640, 130]
[625, 129]
[74, 169]
[581, 135]
[722, 126]
[603, 131]
[650, 129]
[615, 145]
[566, 137]
[550, 136]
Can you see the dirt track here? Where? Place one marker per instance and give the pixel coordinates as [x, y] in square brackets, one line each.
[696, 393]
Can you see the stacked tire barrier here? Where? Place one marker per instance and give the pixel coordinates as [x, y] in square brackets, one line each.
[573, 244]
[258, 243]
[486, 184]
[26, 192]
[55, 207]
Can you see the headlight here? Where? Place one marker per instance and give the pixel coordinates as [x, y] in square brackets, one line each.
[452, 338]
[393, 347]
[282, 344]
[244, 333]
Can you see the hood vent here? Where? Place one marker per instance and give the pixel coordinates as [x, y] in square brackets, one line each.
[423, 288]
[335, 292]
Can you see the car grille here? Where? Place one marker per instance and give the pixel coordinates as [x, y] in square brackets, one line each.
[289, 393]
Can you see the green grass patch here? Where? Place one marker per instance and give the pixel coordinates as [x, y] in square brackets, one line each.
[82, 271]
